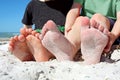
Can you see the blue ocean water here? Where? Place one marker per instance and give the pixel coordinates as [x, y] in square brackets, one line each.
[8, 34]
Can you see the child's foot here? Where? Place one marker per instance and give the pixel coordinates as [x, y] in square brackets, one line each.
[93, 41]
[56, 43]
[39, 52]
[19, 48]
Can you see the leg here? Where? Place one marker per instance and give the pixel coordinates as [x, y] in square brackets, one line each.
[56, 43]
[93, 41]
[74, 35]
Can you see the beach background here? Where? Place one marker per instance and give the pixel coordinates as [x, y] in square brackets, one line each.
[12, 68]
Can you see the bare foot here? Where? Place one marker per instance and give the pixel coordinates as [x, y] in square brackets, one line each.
[39, 52]
[18, 47]
[110, 35]
[93, 41]
[56, 43]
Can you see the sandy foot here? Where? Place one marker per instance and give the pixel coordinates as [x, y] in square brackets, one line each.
[93, 42]
[36, 48]
[19, 48]
[56, 43]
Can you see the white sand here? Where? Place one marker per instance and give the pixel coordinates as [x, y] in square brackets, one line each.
[13, 69]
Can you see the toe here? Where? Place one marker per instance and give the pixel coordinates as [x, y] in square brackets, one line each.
[101, 28]
[94, 24]
[23, 31]
[84, 23]
[21, 38]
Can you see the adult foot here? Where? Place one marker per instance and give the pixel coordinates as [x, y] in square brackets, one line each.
[36, 48]
[19, 48]
[56, 43]
[93, 41]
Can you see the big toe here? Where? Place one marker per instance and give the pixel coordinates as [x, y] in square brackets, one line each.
[84, 23]
[50, 25]
[21, 38]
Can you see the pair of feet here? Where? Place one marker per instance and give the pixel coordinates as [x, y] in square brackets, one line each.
[29, 47]
[94, 39]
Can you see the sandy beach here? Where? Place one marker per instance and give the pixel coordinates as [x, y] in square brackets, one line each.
[13, 69]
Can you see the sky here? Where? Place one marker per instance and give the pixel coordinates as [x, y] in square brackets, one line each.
[11, 14]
